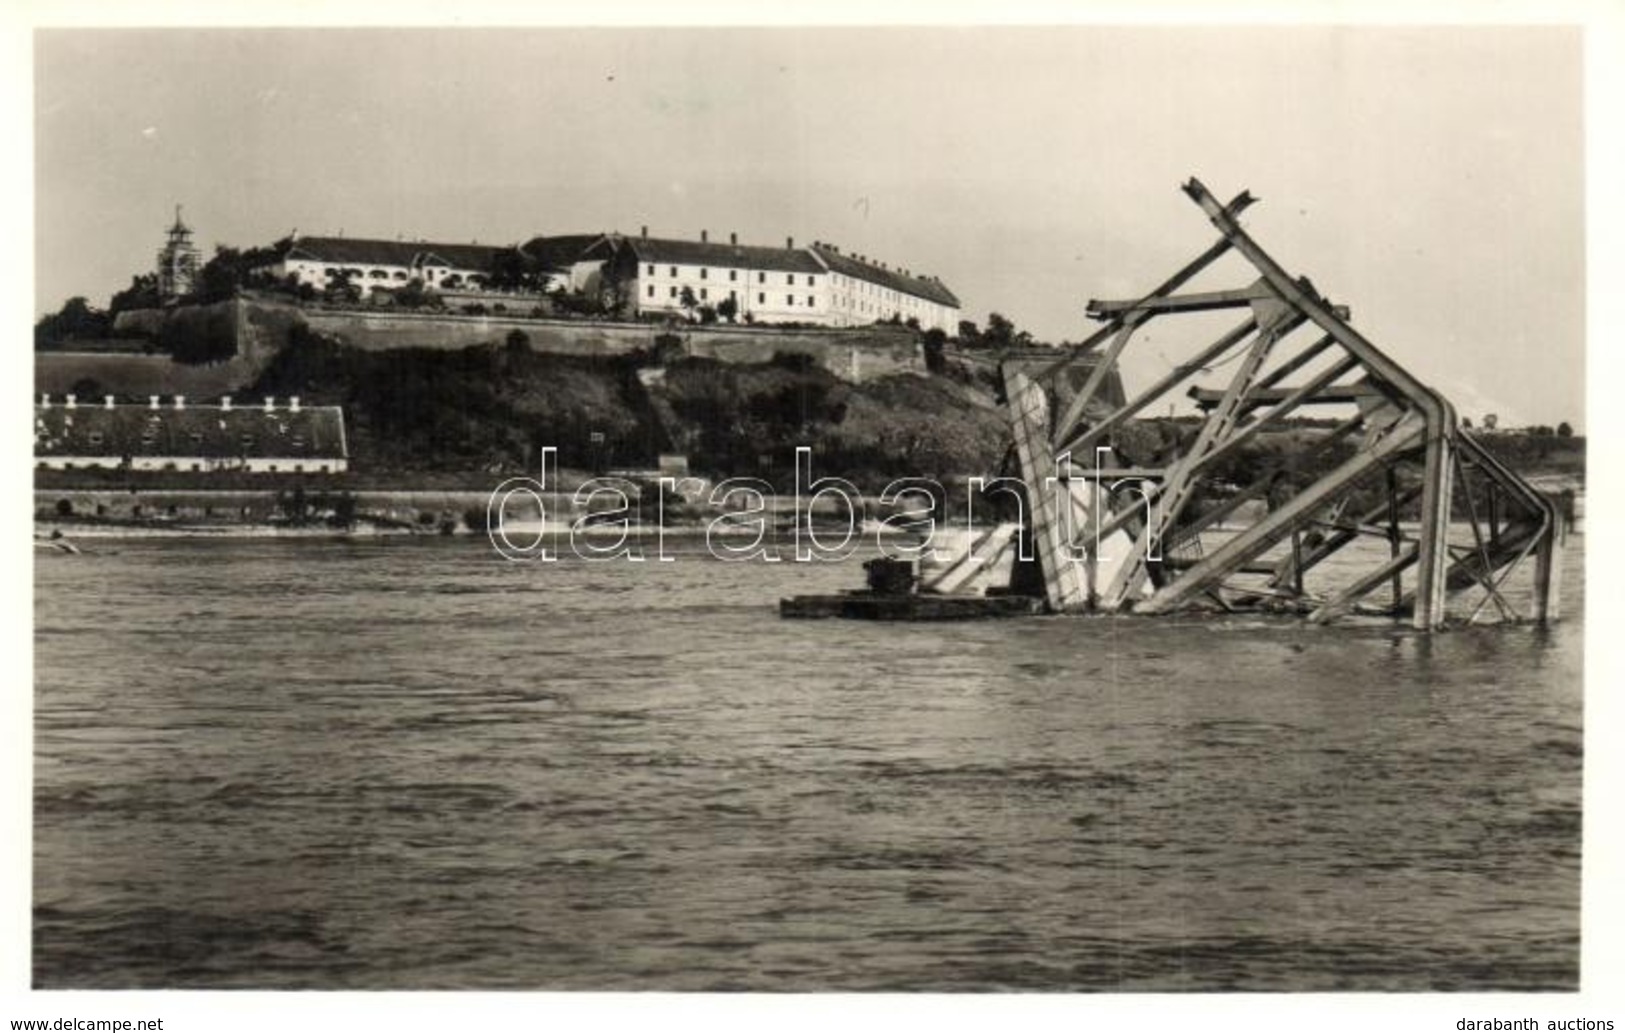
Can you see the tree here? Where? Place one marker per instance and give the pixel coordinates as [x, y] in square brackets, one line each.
[1564, 430]
[221, 275]
[511, 270]
[969, 336]
[708, 314]
[232, 269]
[728, 308]
[416, 295]
[75, 320]
[339, 285]
[1000, 332]
[141, 293]
[688, 301]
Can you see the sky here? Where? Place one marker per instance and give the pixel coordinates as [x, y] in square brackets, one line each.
[1431, 179]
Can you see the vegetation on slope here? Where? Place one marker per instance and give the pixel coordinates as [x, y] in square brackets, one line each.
[494, 408]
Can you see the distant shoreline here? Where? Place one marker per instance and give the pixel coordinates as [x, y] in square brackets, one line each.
[77, 531]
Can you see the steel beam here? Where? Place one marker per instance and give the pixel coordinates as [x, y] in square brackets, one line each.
[1176, 488]
[1172, 379]
[1064, 586]
[1253, 542]
[1441, 418]
[1204, 301]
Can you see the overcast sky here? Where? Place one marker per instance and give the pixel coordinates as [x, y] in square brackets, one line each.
[1430, 179]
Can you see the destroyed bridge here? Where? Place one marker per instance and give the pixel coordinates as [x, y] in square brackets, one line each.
[1388, 508]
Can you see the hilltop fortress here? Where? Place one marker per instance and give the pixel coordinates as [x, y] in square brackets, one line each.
[570, 294]
[622, 347]
[639, 277]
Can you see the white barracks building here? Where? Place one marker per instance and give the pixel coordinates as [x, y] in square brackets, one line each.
[817, 285]
[384, 263]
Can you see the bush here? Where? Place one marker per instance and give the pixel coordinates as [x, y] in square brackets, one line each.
[199, 340]
[668, 349]
[932, 345]
[798, 362]
[344, 509]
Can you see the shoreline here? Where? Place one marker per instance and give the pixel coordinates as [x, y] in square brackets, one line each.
[69, 531]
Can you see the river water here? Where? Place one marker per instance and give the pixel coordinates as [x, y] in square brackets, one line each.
[409, 764]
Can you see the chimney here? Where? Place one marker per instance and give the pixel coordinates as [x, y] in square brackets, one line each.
[107, 401]
[45, 401]
[270, 403]
[293, 404]
[152, 401]
[733, 238]
[644, 233]
[71, 400]
[180, 402]
[705, 236]
[789, 243]
[225, 403]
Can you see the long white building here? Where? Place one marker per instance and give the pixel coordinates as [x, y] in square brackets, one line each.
[385, 263]
[817, 285]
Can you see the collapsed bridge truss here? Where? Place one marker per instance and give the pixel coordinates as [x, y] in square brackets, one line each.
[1394, 510]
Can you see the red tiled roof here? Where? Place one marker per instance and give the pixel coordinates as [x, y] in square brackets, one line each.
[716, 255]
[559, 252]
[359, 251]
[920, 287]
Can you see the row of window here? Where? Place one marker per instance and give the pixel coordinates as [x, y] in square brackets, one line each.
[149, 437]
[382, 274]
[173, 465]
[269, 467]
[761, 297]
[733, 275]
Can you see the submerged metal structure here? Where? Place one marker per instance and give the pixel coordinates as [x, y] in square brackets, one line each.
[1388, 507]
[1407, 516]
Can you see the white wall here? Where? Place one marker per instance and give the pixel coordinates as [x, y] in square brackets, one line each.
[768, 296]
